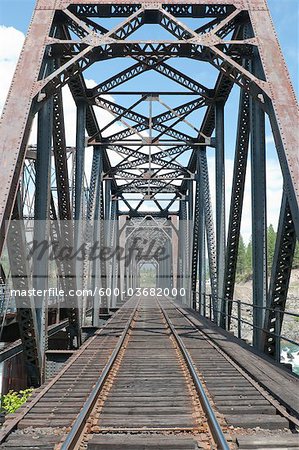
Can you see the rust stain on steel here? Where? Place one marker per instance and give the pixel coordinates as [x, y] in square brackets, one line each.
[282, 93]
[46, 4]
[15, 121]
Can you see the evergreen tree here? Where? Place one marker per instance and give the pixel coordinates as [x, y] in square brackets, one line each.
[248, 258]
[271, 239]
[241, 263]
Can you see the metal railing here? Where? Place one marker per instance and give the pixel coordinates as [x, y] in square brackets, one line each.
[206, 307]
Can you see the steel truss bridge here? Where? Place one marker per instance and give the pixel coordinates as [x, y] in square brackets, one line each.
[137, 175]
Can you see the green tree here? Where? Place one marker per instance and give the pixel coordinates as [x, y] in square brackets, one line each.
[241, 263]
[271, 239]
[248, 258]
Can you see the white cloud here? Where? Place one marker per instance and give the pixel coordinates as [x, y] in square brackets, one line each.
[11, 41]
[274, 190]
[10, 44]
[269, 139]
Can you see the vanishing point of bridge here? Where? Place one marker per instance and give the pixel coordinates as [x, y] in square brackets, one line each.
[120, 248]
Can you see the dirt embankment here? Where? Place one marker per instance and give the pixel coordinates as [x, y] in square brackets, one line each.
[243, 291]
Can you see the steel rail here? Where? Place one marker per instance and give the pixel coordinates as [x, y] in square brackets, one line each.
[78, 426]
[216, 430]
[265, 392]
[5, 431]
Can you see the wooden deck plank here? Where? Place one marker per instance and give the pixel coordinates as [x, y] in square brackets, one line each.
[282, 384]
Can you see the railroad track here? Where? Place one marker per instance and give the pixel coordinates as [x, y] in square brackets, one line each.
[149, 377]
[251, 396]
[153, 368]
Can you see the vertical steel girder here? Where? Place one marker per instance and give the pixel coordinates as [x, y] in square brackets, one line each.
[183, 250]
[79, 185]
[220, 196]
[190, 228]
[103, 277]
[112, 264]
[41, 223]
[280, 277]
[55, 236]
[166, 266]
[122, 268]
[202, 260]
[89, 226]
[65, 214]
[26, 312]
[78, 302]
[196, 242]
[209, 224]
[201, 240]
[180, 253]
[80, 156]
[60, 159]
[170, 268]
[115, 262]
[109, 229]
[236, 206]
[95, 207]
[259, 220]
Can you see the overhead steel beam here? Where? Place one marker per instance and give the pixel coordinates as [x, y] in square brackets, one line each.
[192, 9]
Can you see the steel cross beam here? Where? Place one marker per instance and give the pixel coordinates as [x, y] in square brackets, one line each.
[157, 122]
[122, 9]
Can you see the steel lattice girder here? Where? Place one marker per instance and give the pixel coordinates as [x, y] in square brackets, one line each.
[240, 165]
[50, 42]
[21, 279]
[280, 277]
